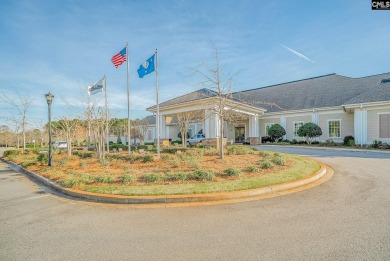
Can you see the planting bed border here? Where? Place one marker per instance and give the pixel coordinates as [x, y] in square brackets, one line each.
[216, 197]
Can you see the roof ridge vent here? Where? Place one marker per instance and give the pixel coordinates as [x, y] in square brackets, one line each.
[385, 80]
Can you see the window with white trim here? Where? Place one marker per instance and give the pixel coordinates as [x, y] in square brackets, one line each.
[267, 126]
[384, 126]
[297, 125]
[334, 128]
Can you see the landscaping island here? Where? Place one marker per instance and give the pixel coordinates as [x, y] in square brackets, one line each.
[179, 171]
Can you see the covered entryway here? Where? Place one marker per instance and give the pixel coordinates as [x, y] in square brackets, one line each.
[239, 134]
[240, 121]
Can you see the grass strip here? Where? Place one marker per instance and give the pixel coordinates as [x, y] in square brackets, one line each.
[302, 167]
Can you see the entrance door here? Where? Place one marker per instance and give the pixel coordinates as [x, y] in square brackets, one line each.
[239, 134]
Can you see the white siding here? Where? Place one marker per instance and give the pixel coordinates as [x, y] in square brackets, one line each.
[263, 122]
[373, 124]
[290, 119]
[173, 132]
[346, 124]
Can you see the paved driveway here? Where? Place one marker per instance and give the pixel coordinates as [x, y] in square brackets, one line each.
[347, 218]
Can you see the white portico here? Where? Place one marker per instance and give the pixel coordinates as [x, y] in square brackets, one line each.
[240, 120]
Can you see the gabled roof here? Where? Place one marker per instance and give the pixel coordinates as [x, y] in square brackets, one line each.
[189, 97]
[319, 92]
[379, 93]
[324, 91]
[150, 119]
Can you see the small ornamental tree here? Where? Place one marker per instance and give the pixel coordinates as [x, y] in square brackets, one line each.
[309, 131]
[276, 132]
[180, 137]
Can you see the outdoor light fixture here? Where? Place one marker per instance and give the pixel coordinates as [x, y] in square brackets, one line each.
[49, 98]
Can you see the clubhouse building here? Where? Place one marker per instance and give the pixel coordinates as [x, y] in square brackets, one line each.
[340, 105]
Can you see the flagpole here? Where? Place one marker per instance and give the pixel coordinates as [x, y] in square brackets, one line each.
[158, 109]
[128, 100]
[107, 132]
[89, 126]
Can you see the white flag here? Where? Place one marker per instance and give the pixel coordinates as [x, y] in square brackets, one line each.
[97, 87]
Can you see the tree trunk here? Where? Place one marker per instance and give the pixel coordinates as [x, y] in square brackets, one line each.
[103, 144]
[183, 137]
[221, 138]
[24, 134]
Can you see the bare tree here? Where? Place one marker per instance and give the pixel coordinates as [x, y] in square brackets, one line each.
[214, 78]
[88, 118]
[34, 136]
[98, 129]
[16, 127]
[5, 135]
[184, 121]
[68, 127]
[98, 122]
[81, 132]
[119, 127]
[43, 130]
[21, 106]
[141, 127]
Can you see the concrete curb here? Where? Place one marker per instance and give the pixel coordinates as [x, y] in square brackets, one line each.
[179, 200]
[325, 148]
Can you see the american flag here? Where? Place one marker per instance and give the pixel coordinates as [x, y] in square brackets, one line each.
[119, 58]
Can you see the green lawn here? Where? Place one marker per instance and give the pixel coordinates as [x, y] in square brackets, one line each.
[301, 168]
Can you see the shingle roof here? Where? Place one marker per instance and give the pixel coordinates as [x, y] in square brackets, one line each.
[150, 119]
[318, 92]
[192, 96]
[379, 93]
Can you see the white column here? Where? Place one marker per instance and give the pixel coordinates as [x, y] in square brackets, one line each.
[315, 119]
[360, 126]
[283, 124]
[211, 124]
[250, 124]
[206, 123]
[214, 125]
[154, 133]
[364, 126]
[225, 129]
[357, 126]
[162, 127]
[254, 126]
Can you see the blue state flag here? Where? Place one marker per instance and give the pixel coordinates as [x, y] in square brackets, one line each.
[147, 67]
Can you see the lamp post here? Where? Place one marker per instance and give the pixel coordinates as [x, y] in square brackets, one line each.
[49, 98]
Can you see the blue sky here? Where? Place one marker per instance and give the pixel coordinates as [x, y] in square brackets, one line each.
[64, 46]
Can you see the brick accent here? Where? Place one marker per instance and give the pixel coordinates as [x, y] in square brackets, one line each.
[213, 142]
[163, 143]
[254, 140]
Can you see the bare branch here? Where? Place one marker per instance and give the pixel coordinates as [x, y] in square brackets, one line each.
[21, 106]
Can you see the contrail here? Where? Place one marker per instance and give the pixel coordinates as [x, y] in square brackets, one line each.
[297, 53]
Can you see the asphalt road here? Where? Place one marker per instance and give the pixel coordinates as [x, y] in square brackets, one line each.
[346, 218]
